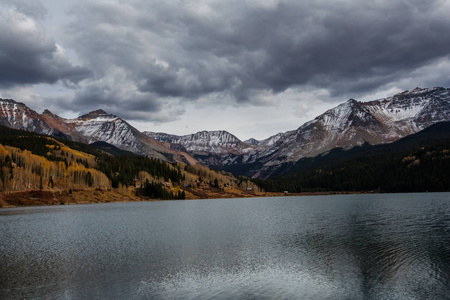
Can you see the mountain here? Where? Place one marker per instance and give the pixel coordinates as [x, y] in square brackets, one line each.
[212, 148]
[202, 142]
[433, 135]
[417, 163]
[89, 128]
[349, 124]
[18, 116]
[355, 123]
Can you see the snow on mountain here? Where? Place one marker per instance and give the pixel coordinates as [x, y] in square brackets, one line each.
[94, 126]
[17, 115]
[101, 126]
[347, 125]
[203, 142]
[252, 141]
[384, 120]
[212, 148]
[355, 123]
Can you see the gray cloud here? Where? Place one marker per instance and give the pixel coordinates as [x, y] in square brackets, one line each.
[158, 56]
[177, 50]
[27, 56]
[32, 8]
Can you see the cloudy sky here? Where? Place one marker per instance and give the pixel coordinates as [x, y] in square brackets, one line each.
[251, 67]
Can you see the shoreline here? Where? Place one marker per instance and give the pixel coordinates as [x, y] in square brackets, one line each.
[91, 196]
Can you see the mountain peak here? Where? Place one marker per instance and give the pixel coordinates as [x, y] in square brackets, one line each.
[420, 91]
[351, 102]
[95, 114]
[11, 101]
[215, 135]
[8, 100]
[47, 112]
[252, 141]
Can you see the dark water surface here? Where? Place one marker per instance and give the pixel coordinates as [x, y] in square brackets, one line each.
[388, 246]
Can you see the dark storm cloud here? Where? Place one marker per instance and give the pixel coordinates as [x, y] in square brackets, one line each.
[191, 49]
[116, 99]
[27, 56]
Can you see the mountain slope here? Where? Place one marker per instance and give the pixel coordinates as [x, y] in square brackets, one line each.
[345, 126]
[18, 116]
[355, 123]
[92, 127]
[212, 148]
[417, 163]
[36, 169]
[433, 135]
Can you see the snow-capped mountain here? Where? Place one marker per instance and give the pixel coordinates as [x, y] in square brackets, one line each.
[354, 123]
[213, 148]
[202, 142]
[101, 126]
[347, 125]
[17, 115]
[94, 126]
[380, 121]
[252, 141]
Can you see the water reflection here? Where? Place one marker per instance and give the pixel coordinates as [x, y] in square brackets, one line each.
[335, 247]
[391, 252]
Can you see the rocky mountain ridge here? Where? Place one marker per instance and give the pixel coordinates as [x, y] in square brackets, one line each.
[347, 125]
[94, 126]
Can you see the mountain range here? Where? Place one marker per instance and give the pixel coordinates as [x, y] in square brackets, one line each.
[349, 124]
[89, 128]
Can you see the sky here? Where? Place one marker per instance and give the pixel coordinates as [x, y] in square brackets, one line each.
[252, 68]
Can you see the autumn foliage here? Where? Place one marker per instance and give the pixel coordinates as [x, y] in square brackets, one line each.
[22, 170]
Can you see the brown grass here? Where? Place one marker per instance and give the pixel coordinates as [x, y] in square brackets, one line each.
[61, 197]
[84, 196]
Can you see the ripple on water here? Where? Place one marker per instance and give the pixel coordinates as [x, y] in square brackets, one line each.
[345, 247]
[262, 284]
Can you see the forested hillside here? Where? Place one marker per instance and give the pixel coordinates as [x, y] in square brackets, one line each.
[417, 163]
[31, 161]
[21, 169]
[34, 162]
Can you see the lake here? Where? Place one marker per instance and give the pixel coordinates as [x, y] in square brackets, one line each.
[381, 246]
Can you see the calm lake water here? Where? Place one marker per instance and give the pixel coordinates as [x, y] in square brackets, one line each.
[388, 246]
